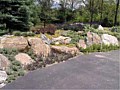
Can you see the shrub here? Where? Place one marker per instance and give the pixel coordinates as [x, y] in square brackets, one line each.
[54, 57]
[50, 28]
[31, 54]
[74, 35]
[73, 27]
[15, 68]
[17, 33]
[3, 32]
[25, 34]
[99, 48]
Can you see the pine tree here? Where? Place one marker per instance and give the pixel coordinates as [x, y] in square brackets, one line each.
[14, 14]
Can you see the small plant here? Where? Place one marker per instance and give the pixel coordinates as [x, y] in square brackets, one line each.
[25, 34]
[99, 48]
[15, 69]
[31, 54]
[17, 33]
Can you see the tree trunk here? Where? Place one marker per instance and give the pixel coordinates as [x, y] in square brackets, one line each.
[101, 12]
[116, 12]
[91, 11]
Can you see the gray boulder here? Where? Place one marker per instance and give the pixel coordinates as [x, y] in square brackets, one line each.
[45, 39]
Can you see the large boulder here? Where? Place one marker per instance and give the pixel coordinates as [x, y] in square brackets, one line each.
[93, 38]
[19, 43]
[61, 40]
[89, 38]
[24, 59]
[96, 38]
[4, 62]
[39, 47]
[109, 39]
[65, 49]
[81, 44]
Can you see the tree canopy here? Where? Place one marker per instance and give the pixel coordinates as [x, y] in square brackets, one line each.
[22, 14]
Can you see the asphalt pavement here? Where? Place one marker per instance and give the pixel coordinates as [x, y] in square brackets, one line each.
[92, 71]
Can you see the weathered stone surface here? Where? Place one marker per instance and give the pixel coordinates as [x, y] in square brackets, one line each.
[39, 47]
[109, 39]
[24, 59]
[100, 27]
[2, 85]
[96, 38]
[65, 49]
[45, 39]
[3, 76]
[81, 44]
[62, 40]
[89, 38]
[4, 62]
[19, 43]
[93, 38]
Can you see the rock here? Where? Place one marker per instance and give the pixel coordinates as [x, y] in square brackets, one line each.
[65, 49]
[24, 59]
[109, 39]
[80, 32]
[89, 39]
[2, 85]
[93, 38]
[62, 40]
[100, 27]
[96, 38]
[81, 44]
[45, 39]
[19, 43]
[3, 76]
[39, 47]
[4, 62]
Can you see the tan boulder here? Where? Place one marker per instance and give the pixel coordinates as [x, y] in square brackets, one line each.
[4, 62]
[19, 43]
[65, 49]
[81, 44]
[24, 59]
[93, 38]
[96, 38]
[89, 38]
[39, 47]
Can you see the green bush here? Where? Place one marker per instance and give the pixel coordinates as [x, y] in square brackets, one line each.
[17, 33]
[25, 34]
[31, 54]
[75, 36]
[3, 32]
[15, 69]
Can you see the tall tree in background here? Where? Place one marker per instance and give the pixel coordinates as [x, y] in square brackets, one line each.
[63, 10]
[14, 14]
[101, 11]
[45, 10]
[116, 12]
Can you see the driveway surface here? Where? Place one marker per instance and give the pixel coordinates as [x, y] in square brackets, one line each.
[93, 71]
